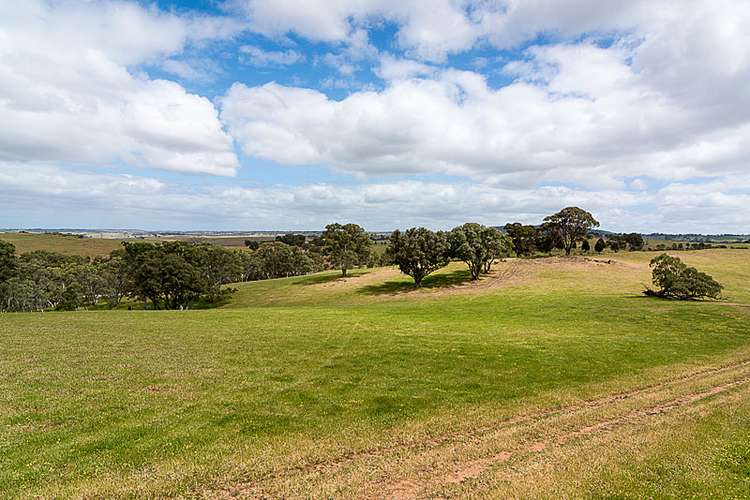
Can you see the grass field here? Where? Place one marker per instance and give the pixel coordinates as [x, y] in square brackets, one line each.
[552, 377]
[64, 244]
[95, 247]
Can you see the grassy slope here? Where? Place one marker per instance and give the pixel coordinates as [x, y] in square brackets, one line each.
[68, 245]
[162, 402]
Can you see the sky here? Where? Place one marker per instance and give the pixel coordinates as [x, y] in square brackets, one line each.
[291, 114]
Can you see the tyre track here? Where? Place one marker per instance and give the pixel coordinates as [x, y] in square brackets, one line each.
[257, 486]
[410, 489]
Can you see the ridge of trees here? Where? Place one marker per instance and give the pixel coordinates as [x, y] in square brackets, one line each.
[180, 274]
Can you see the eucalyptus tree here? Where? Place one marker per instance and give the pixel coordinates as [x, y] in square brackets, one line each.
[418, 252]
[345, 245]
[571, 225]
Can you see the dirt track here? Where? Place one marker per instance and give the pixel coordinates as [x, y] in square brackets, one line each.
[426, 466]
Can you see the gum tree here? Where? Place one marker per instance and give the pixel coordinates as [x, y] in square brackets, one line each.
[418, 252]
[571, 225]
[345, 245]
[478, 246]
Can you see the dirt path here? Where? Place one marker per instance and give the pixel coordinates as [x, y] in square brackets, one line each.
[424, 466]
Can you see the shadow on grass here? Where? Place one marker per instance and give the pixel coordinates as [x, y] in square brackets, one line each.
[327, 278]
[444, 280]
[677, 300]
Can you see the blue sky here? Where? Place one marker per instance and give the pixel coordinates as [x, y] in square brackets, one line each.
[263, 114]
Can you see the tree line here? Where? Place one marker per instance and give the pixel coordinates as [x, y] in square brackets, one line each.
[170, 274]
[178, 274]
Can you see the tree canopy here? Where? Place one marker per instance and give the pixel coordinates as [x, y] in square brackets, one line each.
[173, 274]
[675, 279]
[570, 225]
[478, 246]
[345, 245]
[523, 237]
[418, 252]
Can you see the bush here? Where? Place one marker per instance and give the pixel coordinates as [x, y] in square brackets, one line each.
[678, 281]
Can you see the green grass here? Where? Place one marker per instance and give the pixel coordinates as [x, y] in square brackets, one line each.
[154, 403]
[699, 458]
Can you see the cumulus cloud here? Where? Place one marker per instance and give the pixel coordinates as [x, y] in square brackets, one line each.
[430, 30]
[68, 93]
[585, 112]
[452, 124]
[393, 68]
[637, 110]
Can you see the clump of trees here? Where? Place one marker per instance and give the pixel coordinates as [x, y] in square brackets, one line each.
[418, 252]
[631, 241]
[478, 246]
[275, 259]
[45, 280]
[566, 230]
[677, 280]
[524, 238]
[562, 230]
[295, 240]
[169, 275]
[175, 274]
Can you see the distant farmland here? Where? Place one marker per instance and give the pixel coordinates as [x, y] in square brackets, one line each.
[70, 244]
[61, 243]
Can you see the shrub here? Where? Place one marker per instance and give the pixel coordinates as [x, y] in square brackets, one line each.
[600, 245]
[678, 281]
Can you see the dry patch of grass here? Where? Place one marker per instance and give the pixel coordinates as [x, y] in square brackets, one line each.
[64, 244]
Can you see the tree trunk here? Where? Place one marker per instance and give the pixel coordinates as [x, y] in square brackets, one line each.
[343, 272]
[488, 266]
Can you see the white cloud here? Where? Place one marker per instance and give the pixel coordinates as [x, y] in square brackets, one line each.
[148, 203]
[429, 30]
[68, 95]
[259, 57]
[392, 68]
[577, 112]
[627, 91]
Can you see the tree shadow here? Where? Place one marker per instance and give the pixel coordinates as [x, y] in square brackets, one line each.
[443, 280]
[317, 279]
